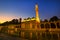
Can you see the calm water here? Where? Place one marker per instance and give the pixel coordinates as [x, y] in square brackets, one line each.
[35, 36]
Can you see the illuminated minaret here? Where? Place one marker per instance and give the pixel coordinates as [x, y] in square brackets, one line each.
[37, 14]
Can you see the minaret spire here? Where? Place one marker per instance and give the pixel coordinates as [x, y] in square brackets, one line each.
[37, 14]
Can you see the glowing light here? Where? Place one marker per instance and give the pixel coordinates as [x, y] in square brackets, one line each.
[37, 14]
[29, 19]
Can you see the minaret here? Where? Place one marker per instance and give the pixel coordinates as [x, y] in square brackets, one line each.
[37, 14]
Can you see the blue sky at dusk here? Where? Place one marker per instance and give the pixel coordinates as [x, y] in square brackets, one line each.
[10, 9]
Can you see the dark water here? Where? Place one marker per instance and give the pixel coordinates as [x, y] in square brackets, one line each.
[43, 36]
[38, 36]
[9, 37]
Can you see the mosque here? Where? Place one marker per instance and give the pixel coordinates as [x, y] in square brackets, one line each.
[33, 27]
[33, 22]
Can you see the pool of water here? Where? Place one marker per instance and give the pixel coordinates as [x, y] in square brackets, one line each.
[34, 36]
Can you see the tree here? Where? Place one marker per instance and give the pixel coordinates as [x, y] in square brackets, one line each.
[28, 18]
[25, 19]
[54, 18]
[33, 17]
[45, 20]
[14, 21]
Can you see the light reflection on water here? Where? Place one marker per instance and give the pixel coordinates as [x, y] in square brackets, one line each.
[35, 36]
[42, 36]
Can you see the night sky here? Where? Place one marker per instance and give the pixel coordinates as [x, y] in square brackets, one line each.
[12, 9]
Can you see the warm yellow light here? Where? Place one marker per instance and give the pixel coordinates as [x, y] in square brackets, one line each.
[37, 14]
[6, 18]
[2, 21]
[36, 6]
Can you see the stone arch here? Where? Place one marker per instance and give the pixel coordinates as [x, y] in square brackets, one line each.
[58, 26]
[47, 25]
[42, 25]
[53, 25]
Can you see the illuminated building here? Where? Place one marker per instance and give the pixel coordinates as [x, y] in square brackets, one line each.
[33, 22]
[33, 26]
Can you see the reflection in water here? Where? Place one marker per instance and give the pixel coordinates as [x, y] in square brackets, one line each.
[41, 35]
[26, 35]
